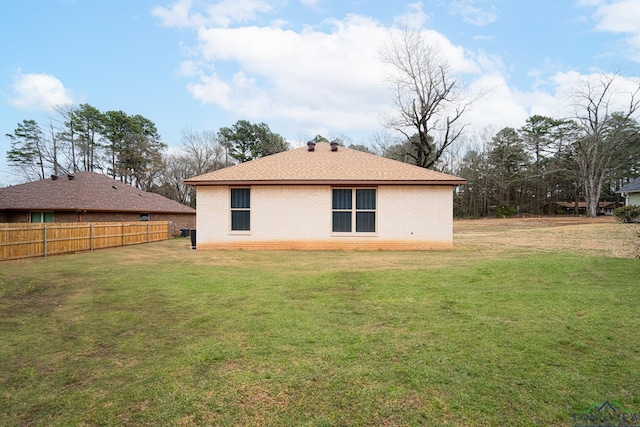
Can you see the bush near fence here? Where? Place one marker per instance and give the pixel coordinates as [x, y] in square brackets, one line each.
[22, 240]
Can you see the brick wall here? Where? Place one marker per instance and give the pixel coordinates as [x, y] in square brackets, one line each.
[288, 217]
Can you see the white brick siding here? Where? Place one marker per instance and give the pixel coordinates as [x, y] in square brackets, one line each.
[299, 217]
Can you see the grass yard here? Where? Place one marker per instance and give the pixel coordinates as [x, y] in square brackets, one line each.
[524, 323]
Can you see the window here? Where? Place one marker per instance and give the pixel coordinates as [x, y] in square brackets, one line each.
[343, 214]
[145, 217]
[240, 205]
[41, 217]
[342, 207]
[365, 210]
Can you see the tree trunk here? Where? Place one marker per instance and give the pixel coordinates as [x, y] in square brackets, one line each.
[591, 195]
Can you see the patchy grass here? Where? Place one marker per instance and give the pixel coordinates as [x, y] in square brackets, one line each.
[489, 333]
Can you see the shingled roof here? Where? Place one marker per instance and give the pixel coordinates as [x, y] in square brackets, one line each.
[86, 191]
[632, 187]
[324, 166]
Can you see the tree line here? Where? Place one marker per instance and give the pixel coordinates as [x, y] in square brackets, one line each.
[129, 148]
[82, 138]
[509, 172]
[585, 157]
[546, 161]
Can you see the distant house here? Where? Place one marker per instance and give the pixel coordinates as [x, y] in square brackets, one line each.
[325, 197]
[89, 197]
[632, 193]
[604, 208]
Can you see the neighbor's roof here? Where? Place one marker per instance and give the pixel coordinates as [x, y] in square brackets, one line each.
[323, 166]
[86, 191]
[632, 187]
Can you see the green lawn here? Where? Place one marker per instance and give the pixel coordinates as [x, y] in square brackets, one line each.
[161, 335]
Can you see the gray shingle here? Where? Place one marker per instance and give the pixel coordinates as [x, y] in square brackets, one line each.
[632, 187]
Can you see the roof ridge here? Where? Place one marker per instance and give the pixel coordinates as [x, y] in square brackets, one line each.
[323, 165]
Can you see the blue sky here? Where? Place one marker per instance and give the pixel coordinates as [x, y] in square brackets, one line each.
[304, 67]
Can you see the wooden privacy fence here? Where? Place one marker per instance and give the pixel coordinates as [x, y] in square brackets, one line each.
[22, 240]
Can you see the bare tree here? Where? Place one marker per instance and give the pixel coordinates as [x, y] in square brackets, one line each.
[430, 100]
[204, 151]
[606, 134]
[201, 152]
[67, 136]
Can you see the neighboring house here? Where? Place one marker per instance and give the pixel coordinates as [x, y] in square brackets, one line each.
[632, 193]
[89, 197]
[325, 197]
[604, 208]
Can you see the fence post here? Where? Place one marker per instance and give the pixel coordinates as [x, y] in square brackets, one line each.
[44, 240]
[148, 232]
[123, 234]
[91, 236]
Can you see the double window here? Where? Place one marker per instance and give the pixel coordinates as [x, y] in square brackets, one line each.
[240, 209]
[41, 217]
[344, 216]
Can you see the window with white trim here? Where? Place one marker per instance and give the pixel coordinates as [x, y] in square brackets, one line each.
[240, 209]
[346, 219]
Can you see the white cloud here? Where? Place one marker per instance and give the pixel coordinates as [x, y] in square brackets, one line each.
[330, 78]
[618, 17]
[507, 106]
[227, 12]
[182, 13]
[414, 17]
[177, 15]
[590, 3]
[311, 75]
[39, 92]
[498, 108]
[475, 12]
[311, 3]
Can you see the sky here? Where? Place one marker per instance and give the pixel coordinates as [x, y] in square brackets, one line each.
[304, 67]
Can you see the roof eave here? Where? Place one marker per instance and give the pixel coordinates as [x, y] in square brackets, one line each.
[333, 182]
[91, 210]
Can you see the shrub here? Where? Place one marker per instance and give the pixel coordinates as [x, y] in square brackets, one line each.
[505, 211]
[628, 214]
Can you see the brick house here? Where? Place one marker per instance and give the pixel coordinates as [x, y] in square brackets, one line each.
[89, 197]
[325, 197]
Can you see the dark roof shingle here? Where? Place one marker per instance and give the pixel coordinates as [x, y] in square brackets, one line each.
[86, 191]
